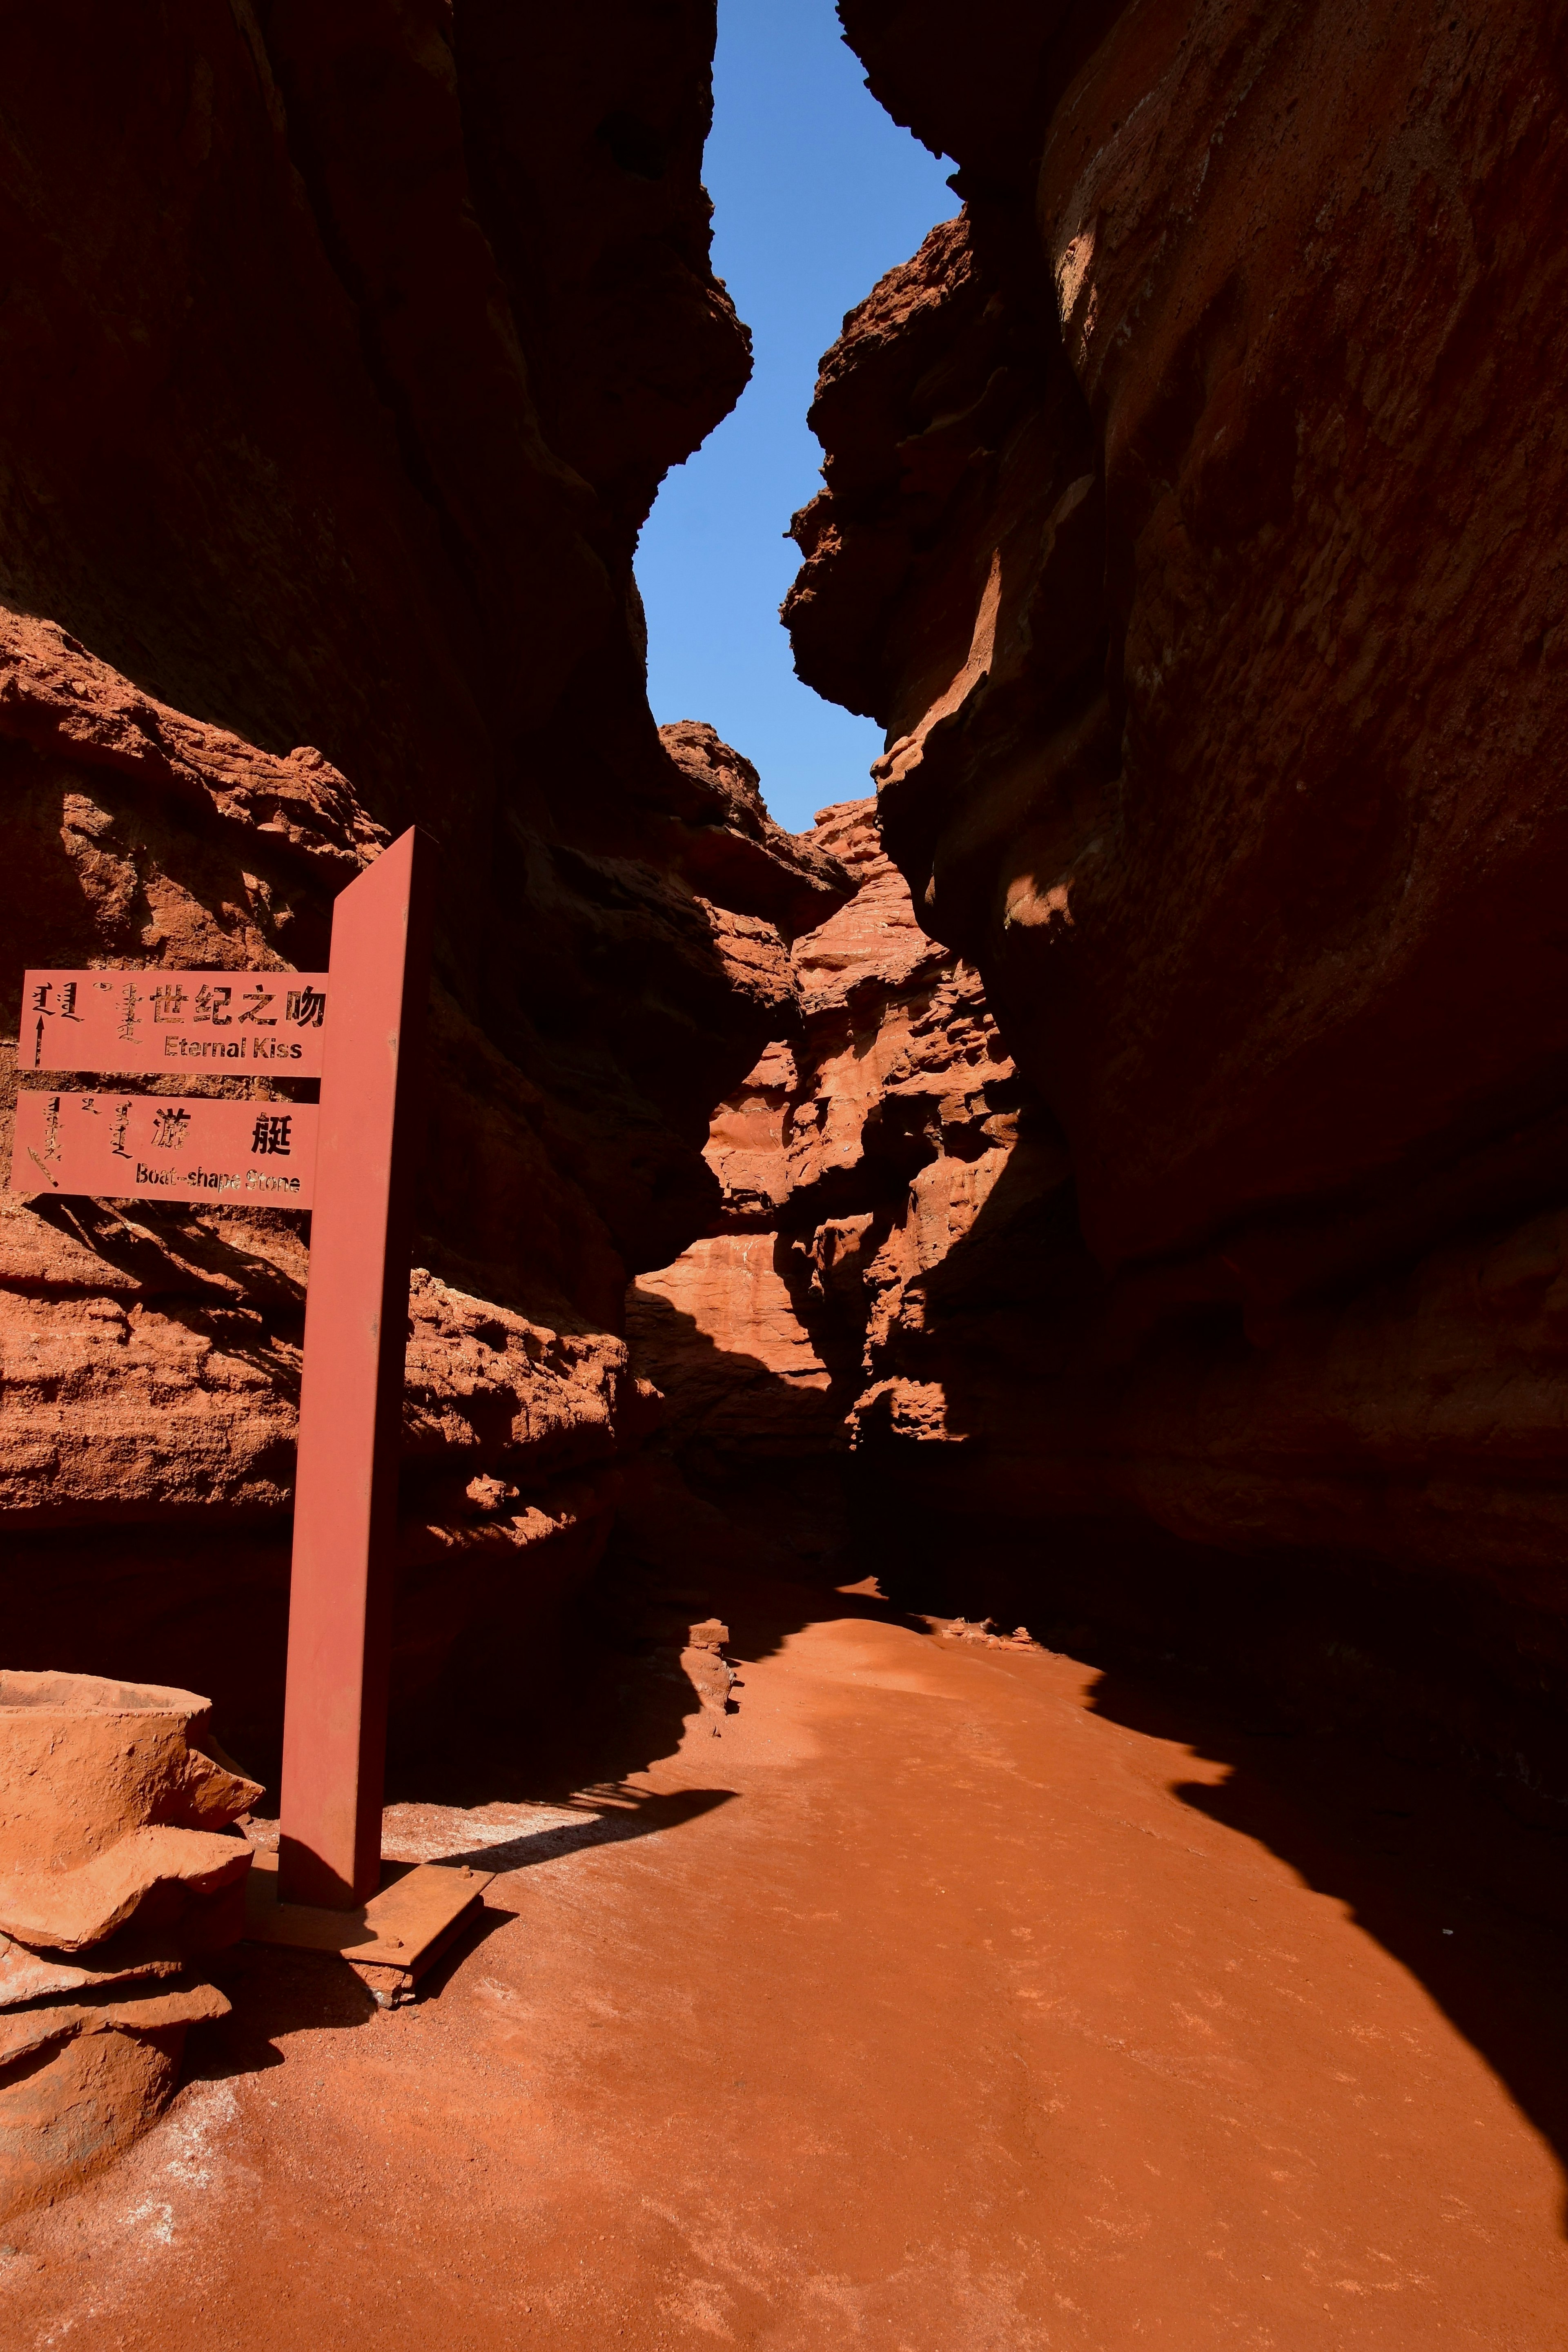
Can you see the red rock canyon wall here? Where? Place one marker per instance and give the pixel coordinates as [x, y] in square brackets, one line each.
[1194, 515]
[1144, 1200]
[341, 353]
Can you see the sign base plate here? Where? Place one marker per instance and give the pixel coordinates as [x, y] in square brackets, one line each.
[390, 1941]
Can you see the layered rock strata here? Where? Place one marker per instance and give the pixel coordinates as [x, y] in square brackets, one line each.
[1193, 521]
[338, 378]
[120, 1875]
[854, 1158]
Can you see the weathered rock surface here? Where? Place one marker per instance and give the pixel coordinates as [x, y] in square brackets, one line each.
[1193, 521]
[117, 1880]
[337, 374]
[853, 1160]
[1219, 660]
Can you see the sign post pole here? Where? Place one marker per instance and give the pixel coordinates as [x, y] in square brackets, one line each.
[353, 1161]
[357, 1320]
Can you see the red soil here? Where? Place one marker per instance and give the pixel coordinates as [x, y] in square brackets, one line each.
[948, 1999]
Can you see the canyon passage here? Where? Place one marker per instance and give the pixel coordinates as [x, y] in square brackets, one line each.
[981, 1531]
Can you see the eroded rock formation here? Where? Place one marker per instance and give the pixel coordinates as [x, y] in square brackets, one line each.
[120, 1875]
[853, 1159]
[1193, 521]
[333, 397]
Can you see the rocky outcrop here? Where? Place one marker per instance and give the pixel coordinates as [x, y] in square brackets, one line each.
[853, 1159]
[1192, 517]
[120, 1875]
[338, 374]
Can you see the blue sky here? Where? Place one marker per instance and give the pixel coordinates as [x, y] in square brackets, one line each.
[815, 193]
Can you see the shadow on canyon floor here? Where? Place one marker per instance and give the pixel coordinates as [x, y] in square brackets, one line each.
[276, 1992]
[1471, 1902]
[1412, 1847]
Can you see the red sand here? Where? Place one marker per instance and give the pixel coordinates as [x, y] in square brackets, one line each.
[928, 2008]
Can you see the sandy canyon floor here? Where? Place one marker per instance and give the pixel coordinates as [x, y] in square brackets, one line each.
[953, 1998]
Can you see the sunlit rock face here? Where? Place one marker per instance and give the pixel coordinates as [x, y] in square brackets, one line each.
[120, 1875]
[1193, 521]
[854, 1159]
[337, 374]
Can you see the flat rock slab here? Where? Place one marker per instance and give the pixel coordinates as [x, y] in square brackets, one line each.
[146, 2009]
[400, 1930]
[71, 1910]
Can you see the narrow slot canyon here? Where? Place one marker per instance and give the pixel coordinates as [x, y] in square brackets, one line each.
[979, 1570]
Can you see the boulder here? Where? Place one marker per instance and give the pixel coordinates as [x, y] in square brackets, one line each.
[120, 1873]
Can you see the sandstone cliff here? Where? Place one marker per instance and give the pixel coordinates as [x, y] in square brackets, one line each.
[333, 394]
[852, 1158]
[1193, 521]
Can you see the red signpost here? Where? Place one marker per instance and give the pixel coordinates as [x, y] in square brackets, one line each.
[227, 1024]
[353, 1161]
[165, 1148]
[350, 1400]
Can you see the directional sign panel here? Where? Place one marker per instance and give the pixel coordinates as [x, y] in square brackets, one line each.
[165, 1148]
[133, 1022]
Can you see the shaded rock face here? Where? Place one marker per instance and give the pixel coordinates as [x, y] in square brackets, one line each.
[337, 374]
[1217, 652]
[1193, 521]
